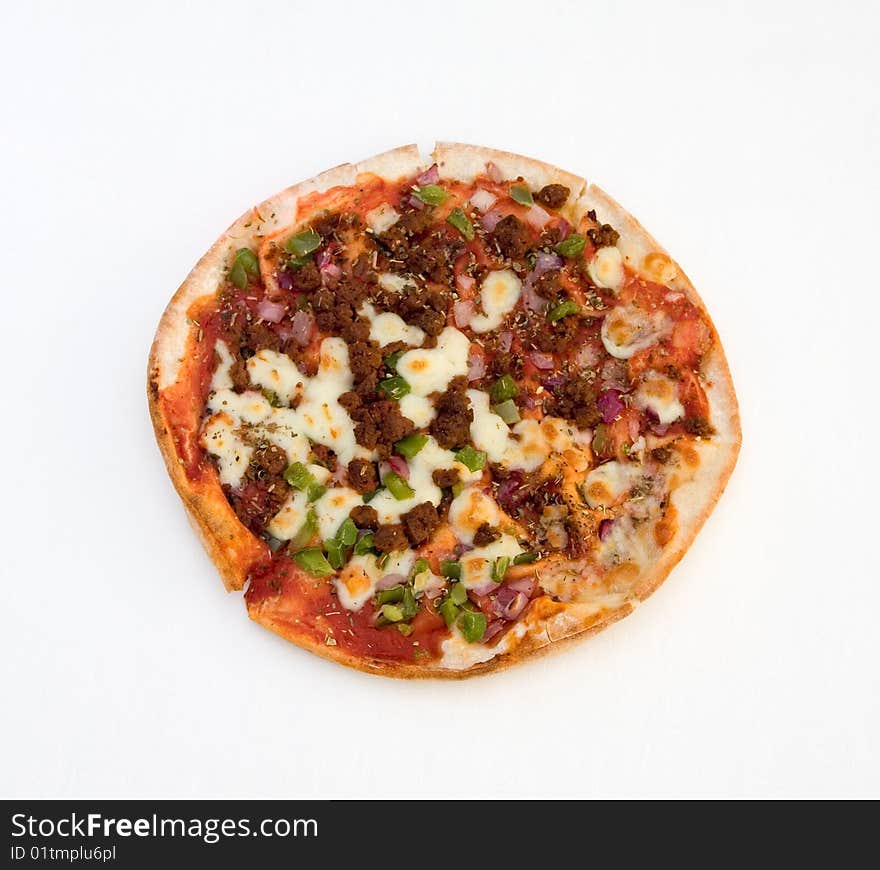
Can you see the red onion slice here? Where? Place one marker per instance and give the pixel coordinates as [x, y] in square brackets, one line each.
[415, 202]
[483, 200]
[562, 227]
[545, 262]
[553, 381]
[429, 176]
[398, 465]
[284, 279]
[301, 328]
[509, 494]
[271, 312]
[490, 220]
[463, 311]
[605, 529]
[526, 585]
[331, 273]
[531, 300]
[543, 361]
[505, 340]
[536, 217]
[587, 356]
[633, 425]
[610, 405]
[464, 282]
[390, 580]
[476, 366]
[509, 603]
[492, 629]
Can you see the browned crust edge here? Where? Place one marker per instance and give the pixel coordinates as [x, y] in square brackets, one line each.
[233, 549]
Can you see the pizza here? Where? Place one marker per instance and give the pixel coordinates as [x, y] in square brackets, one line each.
[437, 416]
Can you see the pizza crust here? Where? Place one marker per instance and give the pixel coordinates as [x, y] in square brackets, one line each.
[548, 625]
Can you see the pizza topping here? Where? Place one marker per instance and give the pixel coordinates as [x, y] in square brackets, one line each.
[499, 294]
[603, 236]
[454, 415]
[482, 200]
[627, 330]
[387, 328]
[659, 394]
[429, 370]
[486, 534]
[521, 194]
[572, 247]
[420, 523]
[382, 218]
[553, 195]
[365, 517]
[606, 268]
[458, 219]
[499, 387]
[390, 537]
[510, 236]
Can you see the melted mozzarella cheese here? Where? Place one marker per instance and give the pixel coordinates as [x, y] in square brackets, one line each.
[469, 510]
[319, 416]
[222, 379]
[606, 268]
[277, 372]
[219, 438]
[289, 520]
[489, 432]
[627, 330]
[248, 407]
[530, 450]
[382, 217]
[432, 457]
[333, 507]
[608, 484]
[528, 445]
[428, 583]
[250, 417]
[499, 294]
[394, 283]
[459, 655]
[429, 370]
[418, 409]
[280, 430]
[660, 394]
[356, 583]
[387, 327]
[477, 564]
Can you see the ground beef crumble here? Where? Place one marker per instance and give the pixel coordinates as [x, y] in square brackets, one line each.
[553, 195]
[362, 476]
[389, 538]
[511, 237]
[420, 523]
[486, 535]
[364, 517]
[445, 477]
[451, 426]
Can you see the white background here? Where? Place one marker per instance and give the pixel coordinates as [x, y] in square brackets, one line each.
[745, 136]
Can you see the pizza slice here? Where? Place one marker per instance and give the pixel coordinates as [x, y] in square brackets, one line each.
[435, 417]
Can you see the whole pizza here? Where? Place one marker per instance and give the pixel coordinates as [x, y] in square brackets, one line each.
[437, 416]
